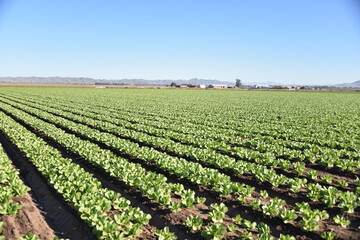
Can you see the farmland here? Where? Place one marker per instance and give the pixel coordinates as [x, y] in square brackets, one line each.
[185, 164]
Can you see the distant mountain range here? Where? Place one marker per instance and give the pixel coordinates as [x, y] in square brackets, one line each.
[349, 85]
[265, 83]
[342, 85]
[92, 81]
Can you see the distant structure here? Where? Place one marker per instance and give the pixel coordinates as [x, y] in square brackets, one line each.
[191, 86]
[260, 86]
[218, 86]
[184, 85]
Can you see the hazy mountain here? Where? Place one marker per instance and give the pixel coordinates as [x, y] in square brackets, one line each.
[349, 85]
[264, 83]
[47, 80]
[91, 81]
[342, 85]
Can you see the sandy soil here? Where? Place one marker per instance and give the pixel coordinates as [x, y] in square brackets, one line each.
[28, 219]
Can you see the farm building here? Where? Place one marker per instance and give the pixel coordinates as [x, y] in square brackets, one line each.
[260, 87]
[184, 85]
[217, 86]
[190, 86]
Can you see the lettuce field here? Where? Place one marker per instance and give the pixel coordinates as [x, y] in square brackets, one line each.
[87, 163]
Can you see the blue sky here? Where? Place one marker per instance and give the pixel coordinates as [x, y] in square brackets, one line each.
[285, 41]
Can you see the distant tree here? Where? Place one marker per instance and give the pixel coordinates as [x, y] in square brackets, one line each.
[238, 83]
[173, 84]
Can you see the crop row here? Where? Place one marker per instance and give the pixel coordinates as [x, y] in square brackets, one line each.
[268, 209]
[79, 188]
[294, 128]
[328, 195]
[242, 131]
[276, 151]
[107, 161]
[10, 186]
[153, 185]
[267, 156]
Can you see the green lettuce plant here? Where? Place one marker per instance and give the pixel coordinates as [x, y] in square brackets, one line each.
[214, 232]
[194, 223]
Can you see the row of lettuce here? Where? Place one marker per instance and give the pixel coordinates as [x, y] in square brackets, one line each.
[11, 186]
[265, 150]
[95, 204]
[80, 189]
[194, 172]
[329, 195]
[282, 115]
[156, 189]
[212, 228]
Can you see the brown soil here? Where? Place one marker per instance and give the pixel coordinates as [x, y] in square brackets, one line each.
[28, 220]
[174, 219]
[57, 213]
[159, 213]
[148, 233]
[290, 174]
[337, 173]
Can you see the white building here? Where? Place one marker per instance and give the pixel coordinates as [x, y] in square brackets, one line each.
[219, 86]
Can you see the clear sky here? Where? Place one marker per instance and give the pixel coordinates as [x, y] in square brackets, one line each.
[284, 41]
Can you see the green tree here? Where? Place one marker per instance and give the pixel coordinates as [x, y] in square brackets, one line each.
[238, 83]
[173, 84]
